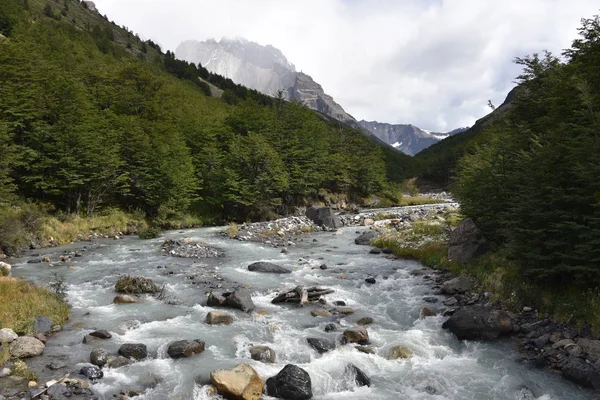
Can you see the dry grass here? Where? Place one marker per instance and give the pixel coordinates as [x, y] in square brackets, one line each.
[21, 302]
[65, 230]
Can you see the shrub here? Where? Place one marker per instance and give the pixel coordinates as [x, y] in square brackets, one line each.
[21, 302]
[150, 232]
[136, 285]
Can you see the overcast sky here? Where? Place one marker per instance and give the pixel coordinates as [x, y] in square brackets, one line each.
[431, 63]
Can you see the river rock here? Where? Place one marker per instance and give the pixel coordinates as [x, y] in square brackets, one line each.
[25, 347]
[591, 349]
[241, 300]
[375, 250]
[371, 281]
[578, 371]
[320, 313]
[7, 335]
[102, 334]
[241, 382]
[427, 312]
[466, 242]
[331, 327]
[365, 238]
[5, 269]
[89, 339]
[139, 351]
[185, 348]
[126, 299]
[357, 375]
[219, 318]
[291, 383]
[357, 335]
[343, 310]
[321, 345]
[324, 217]
[216, 300]
[365, 321]
[91, 372]
[99, 357]
[262, 266]
[263, 353]
[479, 323]
[42, 324]
[460, 284]
[367, 222]
[118, 361]
[397, 352]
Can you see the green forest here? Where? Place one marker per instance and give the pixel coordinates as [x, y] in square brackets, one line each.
[92, 118]
[532, 179]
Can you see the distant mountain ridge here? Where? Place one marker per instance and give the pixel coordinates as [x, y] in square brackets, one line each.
[263, 68]
[405, 137]
[267, 70]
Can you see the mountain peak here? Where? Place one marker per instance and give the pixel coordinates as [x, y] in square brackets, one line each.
[263, 68]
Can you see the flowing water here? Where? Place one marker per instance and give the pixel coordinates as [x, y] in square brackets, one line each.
[442, 367]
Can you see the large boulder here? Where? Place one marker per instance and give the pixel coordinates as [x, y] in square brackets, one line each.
[241, 382]
[99, 357]
[241, 300]
[136, 285]
[365, 238]
[185, 348]
[479, 323]
[578, 371]
[263, 353]
[91, 372]
[324, 217]
[591, 349]
[7, 335]
[262, 266]
[218, 318]
[26, 346]
[460, 284]
[291, 383]
[466, 242]
[321, 345]
[138, 351]
[357, 335]
[5, 269]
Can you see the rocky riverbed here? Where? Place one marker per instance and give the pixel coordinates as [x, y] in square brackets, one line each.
[313, 315]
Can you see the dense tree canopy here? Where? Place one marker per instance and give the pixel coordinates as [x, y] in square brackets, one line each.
[533, 182]
[91, 117]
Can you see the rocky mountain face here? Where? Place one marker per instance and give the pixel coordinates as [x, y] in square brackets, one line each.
[407, 138]
[266, 69]
[263, 68]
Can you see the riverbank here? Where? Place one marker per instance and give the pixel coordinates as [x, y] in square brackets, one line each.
[481, 291]
[355, 283]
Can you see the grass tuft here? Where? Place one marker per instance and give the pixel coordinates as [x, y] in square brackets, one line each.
[21, 302]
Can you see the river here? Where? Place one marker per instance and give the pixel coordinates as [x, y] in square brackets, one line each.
[442, 366]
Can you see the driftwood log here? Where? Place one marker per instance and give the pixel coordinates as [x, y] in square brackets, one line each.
[301, 295]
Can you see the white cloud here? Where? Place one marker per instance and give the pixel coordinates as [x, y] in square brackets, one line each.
[432, 63]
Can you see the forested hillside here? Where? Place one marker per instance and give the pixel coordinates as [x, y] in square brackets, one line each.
[93, 118]
[532, 181]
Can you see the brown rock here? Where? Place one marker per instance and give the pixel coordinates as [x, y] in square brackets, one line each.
[357, 335]
[219, 318]
[320, 313]
[242, 382]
